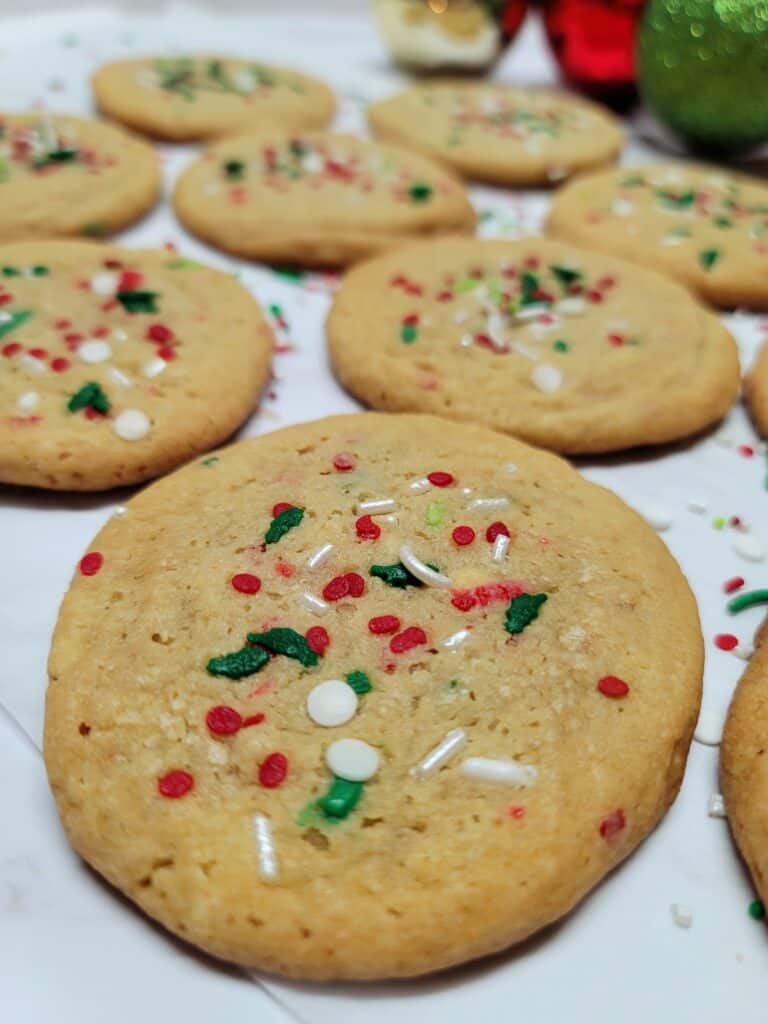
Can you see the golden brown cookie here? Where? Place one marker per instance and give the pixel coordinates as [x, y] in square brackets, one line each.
[568, 349]
[369, 696]
[62, 175]
[498, 133]
[119, 364]
[703, 225]
[204, 96]
[756, 391]
[316, 198]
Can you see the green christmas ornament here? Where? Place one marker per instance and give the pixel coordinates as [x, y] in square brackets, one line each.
[703, 70]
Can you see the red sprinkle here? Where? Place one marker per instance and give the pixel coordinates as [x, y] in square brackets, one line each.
[726, 641]
[735, 583]
[317, 639]
[366, 528]
[464, 600]
[273, 770]
[356, 584]
[167, 353]
[246, 583]
[223, 720]
[175, 784]
[60, 364]
[411, 320]
[285, 569]
[411, 637]
[130, 280]
[281, 506]
[594, 296]
[463, 535]
[440, 479]
[91, 563]
[11, 348]
[39, 353]
[747, 450]
[516, 811]
[606, 282]
[159, 332]
[62, 325]
[384, 624]
[531, 262]
[612, 686]
[256, 719]
[351, 584]
[497, 529]
[612, 824]
[344, 461]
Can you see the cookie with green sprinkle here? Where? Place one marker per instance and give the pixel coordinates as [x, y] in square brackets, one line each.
[300, 744]
[204, 96]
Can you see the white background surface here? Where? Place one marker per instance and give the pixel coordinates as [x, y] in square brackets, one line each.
[70, 949]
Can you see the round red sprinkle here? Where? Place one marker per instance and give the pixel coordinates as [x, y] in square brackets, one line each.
[531, 262]
[62, 325]
[411, 637]
[175, 784]
[256, 719]
[91, 563]
[612, 686]
[747, 450]
[355, 584]
[497, 529]
[594, 296]
[167, 353]
[223, 720]
[384, 624]
[606, 282]
[130, 280]
[273, 770]
[336, 589]
[317, 638]
[281, 506]
[612, 824]
[285, 569]
[726, 641]
[411, 320]
[246, 583]
[100, 332]
[367, 529]
[463, 535]
[463, 600]
[440, 479]
[735, 583]
[344, 461]
[11, 348]
[39, 353]
[60, 364]
[159, 332]
[615, 338]
[93, 414]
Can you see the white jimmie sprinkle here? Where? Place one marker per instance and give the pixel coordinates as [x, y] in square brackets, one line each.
[376, 506]
[440, 755]
[316, 560]
[510, 773]
[314, 604]
[422, 571]
[262, 831]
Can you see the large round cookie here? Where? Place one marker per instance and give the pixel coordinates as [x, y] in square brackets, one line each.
[756, 390]
[209, 782]
[119, 364]
[203, 96]
[66, 176]
[500, 133]
[568, 349]
[743, 767]
[316, 198]
[703, 225]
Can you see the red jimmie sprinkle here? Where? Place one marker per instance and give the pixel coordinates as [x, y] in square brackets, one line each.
[612, 824]
[246, 583]
[59, 364]
[91, 563]
[463, 535]
[612, 686]
[281, 506]
[256, 719]
[412, 637]
[733, 584]
[273, 770]
[464, 600]
[726, 641]
[384, 624]
[130, 280]
[497, 529]
[11, 349]
[411, 320]
[516, 811]
[39, 353]
[175, 784]
[223, 720]
[440, 479]
[159, 332]
[367, 529]
[344, 461]
[351, 584]
[317, 638]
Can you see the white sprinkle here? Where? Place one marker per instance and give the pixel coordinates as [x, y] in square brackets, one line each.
[377, 506]
[465, 491]
[656, 516]
[104, 284]
[547, 378]
[262, 831]
[28, 401]
[5, 316]
[574, 305]
[489, 769]
[119, 335]
[353, 760]
[556, 173]
[154, 367]
[672, 239]
[33, 364]
[422, 571]
[489, 503]
[744, 651]
[510, 468]
[623, 207]
[439, 755]
[456, 639]
[524, 350]
[312, 162]
[495, 329]
[314, 604]
[120, 510]
[697, 506]
[709, 729]
[330, 703]
[749, 547]
[94, 351]
[132, 425]
[466, 341]
[681, 915]
[316, 560]
[716, 806]
[531, 311]
[500, 545]
[120, 378]
[419, 486]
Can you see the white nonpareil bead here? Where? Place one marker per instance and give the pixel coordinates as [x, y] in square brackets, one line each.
[132, 425]
[331, 703]
[94, 351]
[353, 760]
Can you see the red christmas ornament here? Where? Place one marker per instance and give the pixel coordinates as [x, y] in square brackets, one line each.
[594, 45]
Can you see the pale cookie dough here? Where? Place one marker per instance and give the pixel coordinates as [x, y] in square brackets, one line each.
[568, 349]
[118, 364]
[62, 175]
[203, 96]
[525, 663]
[499, 133]
[756, 391]
[703, 225]
[316, 198]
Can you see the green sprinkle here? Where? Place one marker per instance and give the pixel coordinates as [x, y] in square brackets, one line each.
[420, 192]
[747, 600]
[298, 148]
[245, 662]
[632, 181]
[359, 682]
[90, 395]
[522, 611]
[396, 575]
[436, 512]
[276, 310]
[11, 272]
[341, 799]
[56, 156]
[757, 910]
[285, 641]
[138, 301]
[280, 525]
[709, 257]
[40, 271]
[676, 202]
[16, 320]
[466, 284]
[718, 522]
[530, 287]
[566, 276]
[722, 222]
[409, 333]
[560, 345]
[210, 461]
[181, 263]
[234, 170]
[94, 230]
[290, 270]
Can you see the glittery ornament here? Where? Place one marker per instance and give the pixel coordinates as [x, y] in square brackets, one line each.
[703, 69]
